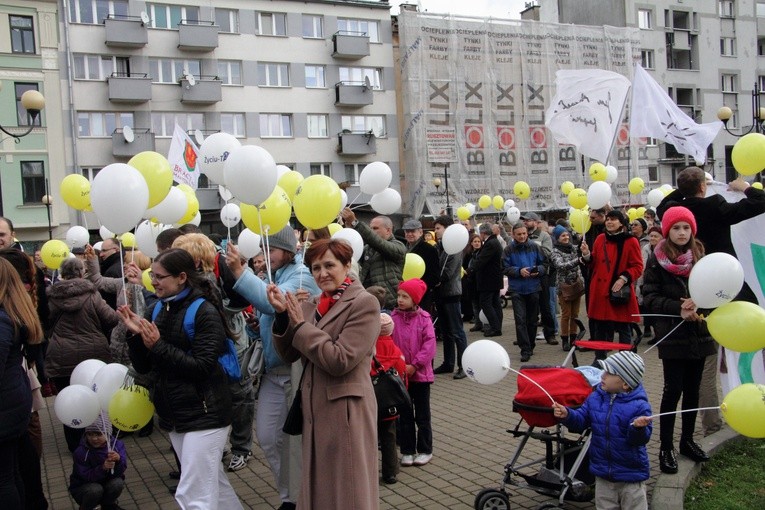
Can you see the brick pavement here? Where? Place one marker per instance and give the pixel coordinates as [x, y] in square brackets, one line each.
[470, 448]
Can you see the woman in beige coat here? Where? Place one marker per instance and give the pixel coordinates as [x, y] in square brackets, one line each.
[335, 335]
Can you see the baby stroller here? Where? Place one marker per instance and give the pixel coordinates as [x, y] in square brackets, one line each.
[581, 345]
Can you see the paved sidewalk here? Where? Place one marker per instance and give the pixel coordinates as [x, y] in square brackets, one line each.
[471, 447]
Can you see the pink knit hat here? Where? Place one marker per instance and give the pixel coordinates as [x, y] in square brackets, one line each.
[386, 324]
[415, 287]
[674, 215]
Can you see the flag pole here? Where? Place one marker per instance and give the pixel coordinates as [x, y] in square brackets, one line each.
[616, 131]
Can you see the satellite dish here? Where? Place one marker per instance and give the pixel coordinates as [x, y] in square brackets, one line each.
[190, 78]
[378, 131]
[127, 134]
[198, 136]
[145, 18]
[367, 83]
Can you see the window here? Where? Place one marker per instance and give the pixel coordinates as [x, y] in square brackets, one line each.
[646, 59]
[166, 70]
[233, 124]
[761, 81]
[645, 19]
[653, 173]
[95, 11]
[273, 75]
[170, 16]
[313, 27]
[725, 8]
[729, 83]
[99, 67]
[728, 46]
[230, 72]
[101, 124]
[314, 77]
[32, 181]
[352, 172]
[227, 20]
[761, 9]
[272, 23]
[21, 112]
[275, 125]
[320, 169]
[90, 173]
[731, 101]
[358, 74]
[374, 123]
[22, 34]
[163, 123]
[359, 27]
[317, 126]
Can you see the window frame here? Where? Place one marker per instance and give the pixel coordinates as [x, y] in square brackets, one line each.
[323, 133]
[22, 115]
[323, 76]
[357, 168]
[274, 27]
[163, 123]
[226, 77]
[115, 8]
[102, 72]
[728, 46]
[653, 169]
[323, 169]
[314, 18]
[174, 64]
[102, 119]
[357, 25]
[264, 74]
[186, 14]
[233, 20]
[648, 59]
[235, 123]
[25, 179]
[645, 19]
[726, 8]
[729, 83]
[269, 118]
[22, 31]
[355, 128]
[90, 172]
[375, 75]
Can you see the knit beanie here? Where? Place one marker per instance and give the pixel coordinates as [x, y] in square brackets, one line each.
[674, 215]
[643, 223]
[102, 424]
[558, 230]
[415, 287]
[284, 240]
[627, 365]
[386, 324]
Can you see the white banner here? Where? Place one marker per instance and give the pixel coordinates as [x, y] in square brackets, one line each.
[183, 155]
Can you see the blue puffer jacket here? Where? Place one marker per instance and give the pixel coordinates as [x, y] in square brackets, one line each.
[617, 451]
[526, 255]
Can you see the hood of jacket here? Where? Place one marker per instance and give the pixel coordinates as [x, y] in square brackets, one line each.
[69, 295]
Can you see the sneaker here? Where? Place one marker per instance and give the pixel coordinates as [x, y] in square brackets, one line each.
[422, 459]
[460, 374]
[238, 462]
[443, 369]
[407, 460]
[540, 336]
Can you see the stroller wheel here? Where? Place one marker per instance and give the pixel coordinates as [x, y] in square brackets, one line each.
[492, 499]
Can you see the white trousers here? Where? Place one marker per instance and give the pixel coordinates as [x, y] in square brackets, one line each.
[203, 484]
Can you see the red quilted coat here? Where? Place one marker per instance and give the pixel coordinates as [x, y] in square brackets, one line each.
[603, 276]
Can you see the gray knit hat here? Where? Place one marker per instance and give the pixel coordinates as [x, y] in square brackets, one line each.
[627, 365]
[284, 240]
[102, 424]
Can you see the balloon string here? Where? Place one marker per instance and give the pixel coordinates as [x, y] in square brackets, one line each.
[358, 205]
[443, 266]
[664, 337]
[654, 315]
[682, 411]
[228, 225]
[355, 198]
[534, 383]
[122, 269]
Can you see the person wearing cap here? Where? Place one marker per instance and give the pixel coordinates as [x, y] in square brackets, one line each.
[639, 229]
[415, 243]
[683, 353]
[548, 302]
[619, 415]
[279, 380]
[487, 267]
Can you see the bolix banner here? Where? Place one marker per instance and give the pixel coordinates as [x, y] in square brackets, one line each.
[183, 156]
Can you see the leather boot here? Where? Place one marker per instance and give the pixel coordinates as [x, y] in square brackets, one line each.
[668, 461]
[692, 450]
[567, 341]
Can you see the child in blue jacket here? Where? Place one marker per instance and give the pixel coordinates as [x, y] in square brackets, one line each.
[620, 417]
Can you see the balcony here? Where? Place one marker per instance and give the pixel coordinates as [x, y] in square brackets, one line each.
[142, 140]
[125, 32]
[356, 143]
[129, 88]
[202, 90]
[209, 199]
[350, 45]
[353, 93]
[197, 35]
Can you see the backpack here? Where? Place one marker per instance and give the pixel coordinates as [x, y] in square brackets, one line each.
[228, 361]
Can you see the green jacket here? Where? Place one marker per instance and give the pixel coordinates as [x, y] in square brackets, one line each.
[381, 263]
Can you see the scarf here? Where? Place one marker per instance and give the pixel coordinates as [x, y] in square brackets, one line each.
[680, 267]
[327, 301]
[564, 248]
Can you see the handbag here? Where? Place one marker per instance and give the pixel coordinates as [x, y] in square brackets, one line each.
[571, 291]
[293, 424]
[390, 391]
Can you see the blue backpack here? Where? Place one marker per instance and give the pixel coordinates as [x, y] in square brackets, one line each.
[228, 361]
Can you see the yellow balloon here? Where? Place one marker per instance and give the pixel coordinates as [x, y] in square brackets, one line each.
[744, 409]
[579, 219]
[748, 155]
[739, 326]
[157, 173]
[75, 190]
[274, 213]
[130, 408]
[636, 185]
[414, 267]
[192, 208]
[334, 228]
[666, 191]
[632, 213]
[289, 182]
[522, 190]
[577, 198]
[567, 187]
[463, 213]
[53, 253]
[757, 185]
[498, 202]
[317, 201]
[598, 172]
[484, 202]
[641, 212]
[127, 239]
[185, 188]
[146, 280]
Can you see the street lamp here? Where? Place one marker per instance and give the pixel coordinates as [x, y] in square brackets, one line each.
[758, 114]
[33, 102]
[437, 184]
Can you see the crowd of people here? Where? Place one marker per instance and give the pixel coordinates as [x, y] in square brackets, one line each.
[317, 316]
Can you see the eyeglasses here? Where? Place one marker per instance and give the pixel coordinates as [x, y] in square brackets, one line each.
[158, 277]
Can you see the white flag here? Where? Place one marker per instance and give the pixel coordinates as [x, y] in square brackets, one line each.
[183, 155]
[654, 114]
[586, 109]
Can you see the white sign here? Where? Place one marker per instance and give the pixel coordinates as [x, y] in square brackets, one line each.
[442, 145]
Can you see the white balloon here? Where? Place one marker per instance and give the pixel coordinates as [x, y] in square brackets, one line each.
[224, 193]
[482, 317]
[77, 237]
[281, 170]
[230, 215]
[666, 187]
[76, 406]
[96, 247]
[486, 362]
[250, 174]
[85, 371]
[655, 196]
[508, 204]
[344, 199]
[171, 209]
[119, 196]
[471, 208]
[715, 280]
[146, 237]
[107, 381]
[598, 194]
[387, 201]
[353, 238]
[513, 215]
[105, 233]
[611, 174]
[213, 153]
[375, 178]
[455, 238]
[197, 219]
[248, 243]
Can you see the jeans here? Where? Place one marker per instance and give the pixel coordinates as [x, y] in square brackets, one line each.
[452, 332]
[525, 311]
[681, 377]
[417, 439]
[606, 330]
[105, 493]
[11, 484]
[243, 407]
[620, 495]
[547, 308]
[492, 308]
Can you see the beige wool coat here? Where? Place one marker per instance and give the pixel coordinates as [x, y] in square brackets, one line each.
[339, 407]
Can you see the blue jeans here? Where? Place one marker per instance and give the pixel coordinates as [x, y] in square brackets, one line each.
[452, 332]
[525, 311]
[105, 493]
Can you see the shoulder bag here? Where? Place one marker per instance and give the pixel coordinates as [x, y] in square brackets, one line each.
[390, 391]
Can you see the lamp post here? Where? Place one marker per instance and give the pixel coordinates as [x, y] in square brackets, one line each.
[437, 184]
[758, 114]
[48, 201]
[33, 102]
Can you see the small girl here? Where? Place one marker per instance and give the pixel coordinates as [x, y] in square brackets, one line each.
[98, 475]
[414, 335]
